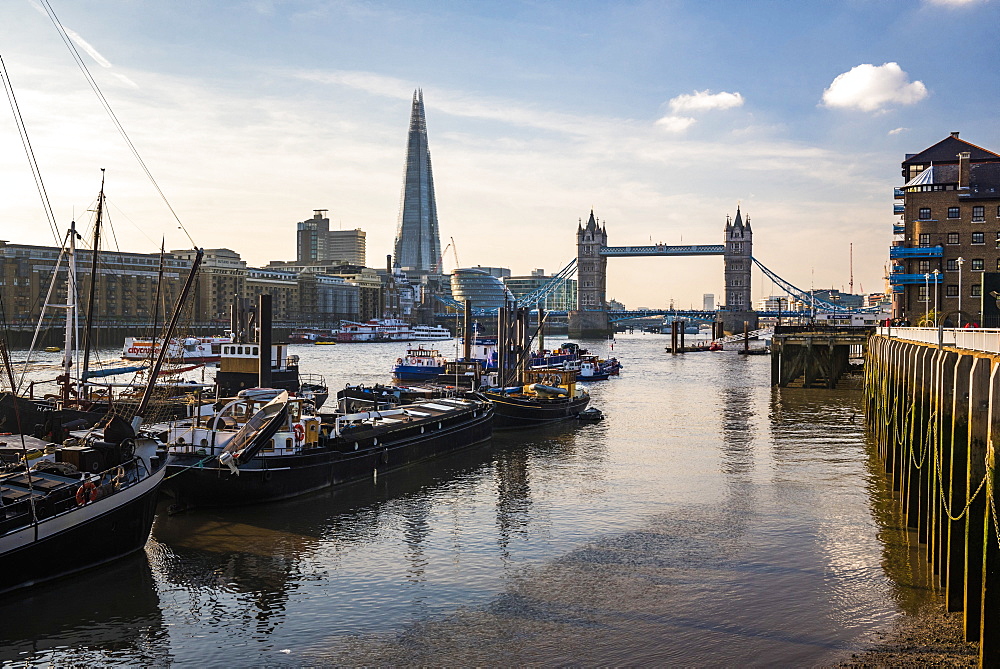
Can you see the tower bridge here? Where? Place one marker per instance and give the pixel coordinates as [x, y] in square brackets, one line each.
[592, 317]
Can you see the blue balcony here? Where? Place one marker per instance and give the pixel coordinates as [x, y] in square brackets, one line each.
[898, 228]
[897, 193]
[898, 208]
[914, 279]
[897, 289]
[916, 251]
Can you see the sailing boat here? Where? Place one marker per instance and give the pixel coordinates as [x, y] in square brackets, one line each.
[76, 505]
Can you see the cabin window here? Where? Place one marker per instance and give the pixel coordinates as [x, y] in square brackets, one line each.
[288, 443]
[254, 351]
[269, 446]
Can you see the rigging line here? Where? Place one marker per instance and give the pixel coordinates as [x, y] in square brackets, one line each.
[107, 107]
[29, 150]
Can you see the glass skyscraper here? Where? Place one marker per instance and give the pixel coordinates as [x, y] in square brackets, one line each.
[418, 244]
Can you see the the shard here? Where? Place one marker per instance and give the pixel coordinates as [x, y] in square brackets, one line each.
[418, 245]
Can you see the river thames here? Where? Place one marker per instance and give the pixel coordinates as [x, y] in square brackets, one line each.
[710, 519]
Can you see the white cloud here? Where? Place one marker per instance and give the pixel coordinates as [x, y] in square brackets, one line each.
[952, 3]
[88, 47]
[871, 88]
[896, 131]
[675, 123]
[705, 101]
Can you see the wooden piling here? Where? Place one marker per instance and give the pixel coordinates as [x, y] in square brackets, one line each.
[934, 414]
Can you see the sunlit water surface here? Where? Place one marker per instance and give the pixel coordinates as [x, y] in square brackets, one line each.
[708, 520]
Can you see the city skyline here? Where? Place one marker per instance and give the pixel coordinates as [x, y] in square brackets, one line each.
[660, 117]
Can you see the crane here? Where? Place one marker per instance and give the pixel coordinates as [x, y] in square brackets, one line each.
[454, 248]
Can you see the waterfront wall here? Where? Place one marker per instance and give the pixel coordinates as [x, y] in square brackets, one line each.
[934, 412]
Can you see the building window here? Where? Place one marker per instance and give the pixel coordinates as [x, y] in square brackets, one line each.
[977, 264]
[922, 294]
[979, 213]
[976, 290]
[953, 212]
[924, 266]
[951, 291]
[951, 265]
[978, 237]
[953, 238]
[925, 239]
[924, 214]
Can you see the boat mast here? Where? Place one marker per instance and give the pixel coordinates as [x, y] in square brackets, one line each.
[156, 304]
[155, 371]
[68, 336]
[89, 323]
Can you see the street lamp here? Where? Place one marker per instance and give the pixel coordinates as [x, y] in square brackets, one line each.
[937, 277]
[961, 261]
[927, 293]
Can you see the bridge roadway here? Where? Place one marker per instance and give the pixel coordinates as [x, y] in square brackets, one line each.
[663, 250]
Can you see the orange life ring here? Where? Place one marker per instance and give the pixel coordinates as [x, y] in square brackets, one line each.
[300, 432]
[88, 492]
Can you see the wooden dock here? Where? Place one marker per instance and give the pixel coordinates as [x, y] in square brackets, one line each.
[814, 358]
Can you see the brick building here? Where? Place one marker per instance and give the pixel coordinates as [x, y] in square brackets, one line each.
[949, 236]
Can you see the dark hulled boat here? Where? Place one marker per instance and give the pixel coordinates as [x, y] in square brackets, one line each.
[549, 395]
[93, 506]
[308, 451]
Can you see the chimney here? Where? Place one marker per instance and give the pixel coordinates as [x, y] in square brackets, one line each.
[388, 264]
[954, 133]
[963, 169]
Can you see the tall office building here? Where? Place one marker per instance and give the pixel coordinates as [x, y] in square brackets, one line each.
[317, 243]
[418, 245]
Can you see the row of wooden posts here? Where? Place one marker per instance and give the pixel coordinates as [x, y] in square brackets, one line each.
[935, 416]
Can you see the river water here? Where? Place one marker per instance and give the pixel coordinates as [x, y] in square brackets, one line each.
[710, 519]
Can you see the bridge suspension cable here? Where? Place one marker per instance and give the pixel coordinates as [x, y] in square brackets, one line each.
[532, 299]
[809, 298]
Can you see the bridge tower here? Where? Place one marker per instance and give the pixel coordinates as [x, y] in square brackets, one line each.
[591, 316]
[738, 261]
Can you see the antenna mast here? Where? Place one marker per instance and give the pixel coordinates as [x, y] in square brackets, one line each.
[852, 268]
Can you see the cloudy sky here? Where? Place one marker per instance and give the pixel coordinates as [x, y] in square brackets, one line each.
[661, 116]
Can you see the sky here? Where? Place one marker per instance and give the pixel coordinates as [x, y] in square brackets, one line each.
[662, 117]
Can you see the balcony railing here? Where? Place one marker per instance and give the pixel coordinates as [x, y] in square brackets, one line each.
[897, 193]
[898, 209]
[898, 228]
[916, 251]
[914, 279]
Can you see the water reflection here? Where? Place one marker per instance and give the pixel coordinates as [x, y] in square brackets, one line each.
[105, 613]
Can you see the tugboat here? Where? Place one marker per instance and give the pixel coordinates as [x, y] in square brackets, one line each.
[419, 364]
[548, 395]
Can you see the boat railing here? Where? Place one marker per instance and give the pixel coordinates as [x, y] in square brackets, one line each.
[49, 494]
